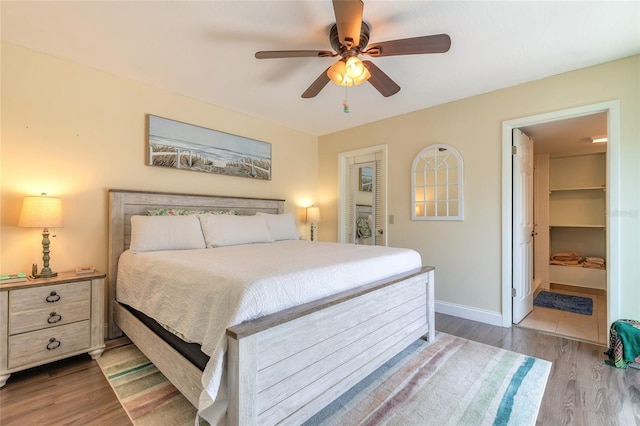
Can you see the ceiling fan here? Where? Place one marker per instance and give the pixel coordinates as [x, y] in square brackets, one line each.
[349, 38]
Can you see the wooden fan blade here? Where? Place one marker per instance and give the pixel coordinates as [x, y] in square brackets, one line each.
[348, 20]
[317, 85]
[438, 43]
[271, 54]
[380, 80]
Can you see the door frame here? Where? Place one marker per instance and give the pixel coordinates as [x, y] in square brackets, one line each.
[612, 108]
[343, 188]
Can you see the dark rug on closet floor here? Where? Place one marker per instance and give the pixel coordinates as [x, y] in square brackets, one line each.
[564, 302]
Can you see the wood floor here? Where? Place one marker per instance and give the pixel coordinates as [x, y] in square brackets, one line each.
[581, 390]
[69, 392]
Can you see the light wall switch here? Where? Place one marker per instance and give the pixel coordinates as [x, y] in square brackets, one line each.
[391, 218]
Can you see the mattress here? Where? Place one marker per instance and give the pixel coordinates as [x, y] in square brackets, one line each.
[190, 351]
[200, 293]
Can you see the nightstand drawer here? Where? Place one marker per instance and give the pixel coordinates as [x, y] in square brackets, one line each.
[37, 346]
[51, 316]
[49, 296]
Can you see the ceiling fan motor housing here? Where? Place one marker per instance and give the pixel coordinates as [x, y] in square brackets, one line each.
[344, 51]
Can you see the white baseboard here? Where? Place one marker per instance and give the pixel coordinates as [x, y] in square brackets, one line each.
[467, 312]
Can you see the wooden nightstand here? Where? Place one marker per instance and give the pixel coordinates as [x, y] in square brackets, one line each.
[48, 319]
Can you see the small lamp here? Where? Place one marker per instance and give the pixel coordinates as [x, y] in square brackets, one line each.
[42, 212]
[313, 217]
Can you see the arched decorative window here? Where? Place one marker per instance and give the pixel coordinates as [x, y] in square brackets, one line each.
[437, 184]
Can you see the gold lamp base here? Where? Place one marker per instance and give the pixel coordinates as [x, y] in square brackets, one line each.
[46, 272]
[46, 275]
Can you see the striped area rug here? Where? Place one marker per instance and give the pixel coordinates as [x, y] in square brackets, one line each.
[145, 394]
[452, 381]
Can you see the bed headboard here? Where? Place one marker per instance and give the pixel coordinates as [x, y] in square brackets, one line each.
[123, 204]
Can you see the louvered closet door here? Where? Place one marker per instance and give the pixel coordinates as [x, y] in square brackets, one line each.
[380, 196]
[351, 203]
[364, 190]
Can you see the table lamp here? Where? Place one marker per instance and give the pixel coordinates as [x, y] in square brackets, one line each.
[42, 212]
[313, 217]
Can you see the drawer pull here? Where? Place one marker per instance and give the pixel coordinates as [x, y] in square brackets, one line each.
[53, 297]
[53, 344]
[54, 318]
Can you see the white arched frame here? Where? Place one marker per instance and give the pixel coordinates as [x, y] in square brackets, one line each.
[437, 184]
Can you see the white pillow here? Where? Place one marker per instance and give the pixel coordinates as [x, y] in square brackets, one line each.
[281, 226]
[229, 230]
[153, 233]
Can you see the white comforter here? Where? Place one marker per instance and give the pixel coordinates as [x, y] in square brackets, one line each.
[200, 293]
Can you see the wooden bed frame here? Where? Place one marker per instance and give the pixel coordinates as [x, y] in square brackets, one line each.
[284, 367]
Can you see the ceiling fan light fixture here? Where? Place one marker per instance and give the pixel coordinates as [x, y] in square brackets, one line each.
[337, 72]
[346, 81]
[355, 68]
[348, 72]
[362, 78]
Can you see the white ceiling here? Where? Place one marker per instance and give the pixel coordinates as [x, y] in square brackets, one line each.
[572, 135]
[205, 49]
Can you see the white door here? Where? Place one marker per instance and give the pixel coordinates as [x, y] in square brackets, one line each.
[522, 225]
[347, 164]
[364, 194]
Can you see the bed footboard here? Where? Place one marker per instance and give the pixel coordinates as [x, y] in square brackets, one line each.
[184, 375]
[285, 368]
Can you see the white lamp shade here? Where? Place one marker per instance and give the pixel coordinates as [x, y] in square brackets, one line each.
[41, 212]
[313, 214]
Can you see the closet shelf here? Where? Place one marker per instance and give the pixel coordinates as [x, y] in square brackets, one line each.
[580, 268]
[577, 216]
[577, 276]
[584, 188]
[577, 226]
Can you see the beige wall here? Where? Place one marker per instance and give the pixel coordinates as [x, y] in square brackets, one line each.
[75, 132]
[467, 255]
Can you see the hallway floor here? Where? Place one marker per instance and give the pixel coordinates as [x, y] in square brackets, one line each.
[591, 328]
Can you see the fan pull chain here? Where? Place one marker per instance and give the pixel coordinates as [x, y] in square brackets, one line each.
[345, 103]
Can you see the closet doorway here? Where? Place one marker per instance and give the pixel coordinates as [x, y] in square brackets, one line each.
[569, 228]
[570, 216]
[362, 201]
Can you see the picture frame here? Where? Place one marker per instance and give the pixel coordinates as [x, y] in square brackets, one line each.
[365, 179]
[177, 145]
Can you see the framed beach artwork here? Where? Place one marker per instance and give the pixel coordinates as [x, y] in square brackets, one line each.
[178, 145]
